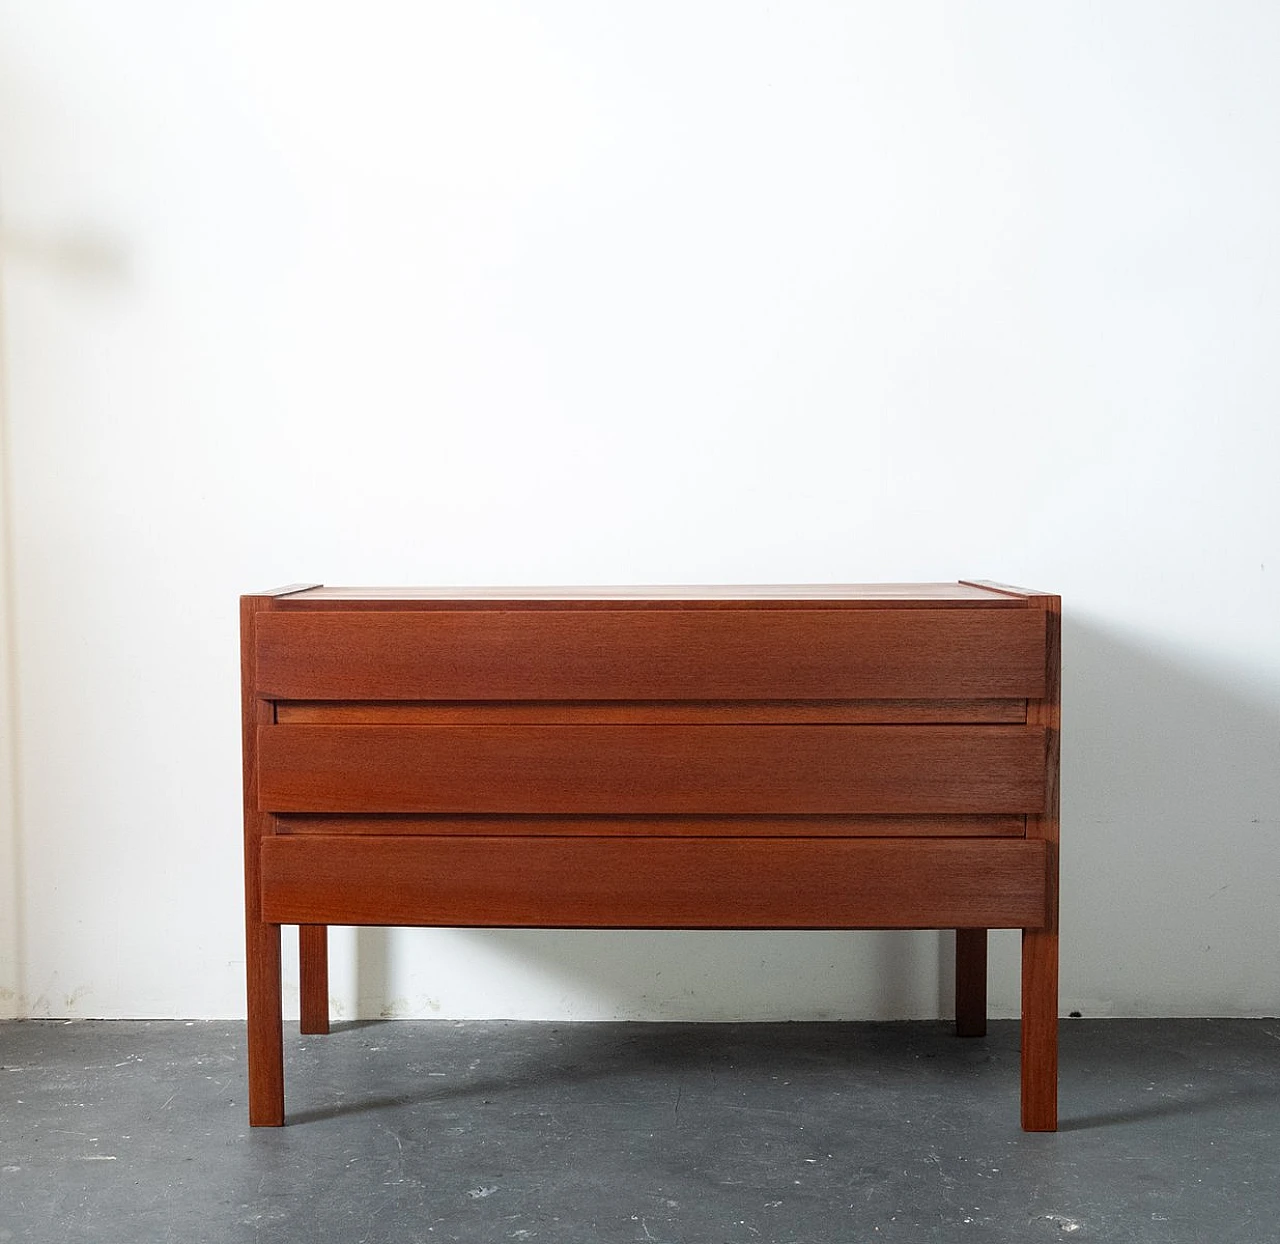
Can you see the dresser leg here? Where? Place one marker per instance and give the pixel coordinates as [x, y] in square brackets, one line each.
[971, 982]
[266, 1034]
[1040, 1030]
[313, 972]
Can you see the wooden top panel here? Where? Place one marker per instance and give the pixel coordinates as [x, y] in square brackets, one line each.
[812, 595]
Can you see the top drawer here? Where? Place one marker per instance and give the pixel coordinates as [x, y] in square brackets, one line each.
[810, 654]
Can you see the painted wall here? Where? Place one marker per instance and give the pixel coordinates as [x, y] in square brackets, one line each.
[578, 292]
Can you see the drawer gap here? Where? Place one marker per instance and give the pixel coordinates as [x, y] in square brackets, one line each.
[996, 826]
[657, 712]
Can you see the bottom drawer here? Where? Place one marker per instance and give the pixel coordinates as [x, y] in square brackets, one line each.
[655, 883]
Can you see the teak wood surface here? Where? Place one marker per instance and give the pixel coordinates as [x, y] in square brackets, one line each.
[688, 883]
[657, 769]
[824, 756]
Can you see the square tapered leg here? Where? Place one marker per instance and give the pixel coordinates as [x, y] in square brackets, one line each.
[971, 982]
[1040, 1030]
[266, 1035]
[313, 971]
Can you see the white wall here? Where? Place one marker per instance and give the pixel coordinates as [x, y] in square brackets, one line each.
[578, 292]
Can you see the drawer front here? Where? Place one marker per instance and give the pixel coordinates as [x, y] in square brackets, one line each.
[654, 883]
[630, 655]
[654, 769]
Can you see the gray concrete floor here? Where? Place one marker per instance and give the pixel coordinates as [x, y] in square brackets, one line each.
[674, 1133]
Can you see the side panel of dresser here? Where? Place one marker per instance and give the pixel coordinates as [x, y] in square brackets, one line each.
[1040, 944]
[262, 939]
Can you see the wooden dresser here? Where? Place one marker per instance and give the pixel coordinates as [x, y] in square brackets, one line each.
[830, 757]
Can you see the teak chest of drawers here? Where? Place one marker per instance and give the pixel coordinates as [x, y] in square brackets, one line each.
[833, 757]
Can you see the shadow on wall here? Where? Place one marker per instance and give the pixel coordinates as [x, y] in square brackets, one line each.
[86, 254]
[647, 974]
[1171, 816]
[1170, 882]
[86, 257]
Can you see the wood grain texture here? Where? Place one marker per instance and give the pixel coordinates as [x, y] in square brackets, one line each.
[1004, 589]
[262, 939]
[651, 655]
[313, 978]
[828, 756]
[290, 589]
[1040, 941]
[525, 825]
[701, 596]
[652, 769]
[653, 883]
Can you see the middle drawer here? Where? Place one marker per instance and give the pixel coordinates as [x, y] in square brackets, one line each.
[652, 769]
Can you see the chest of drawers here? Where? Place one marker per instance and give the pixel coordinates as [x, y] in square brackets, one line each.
[831, 757]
